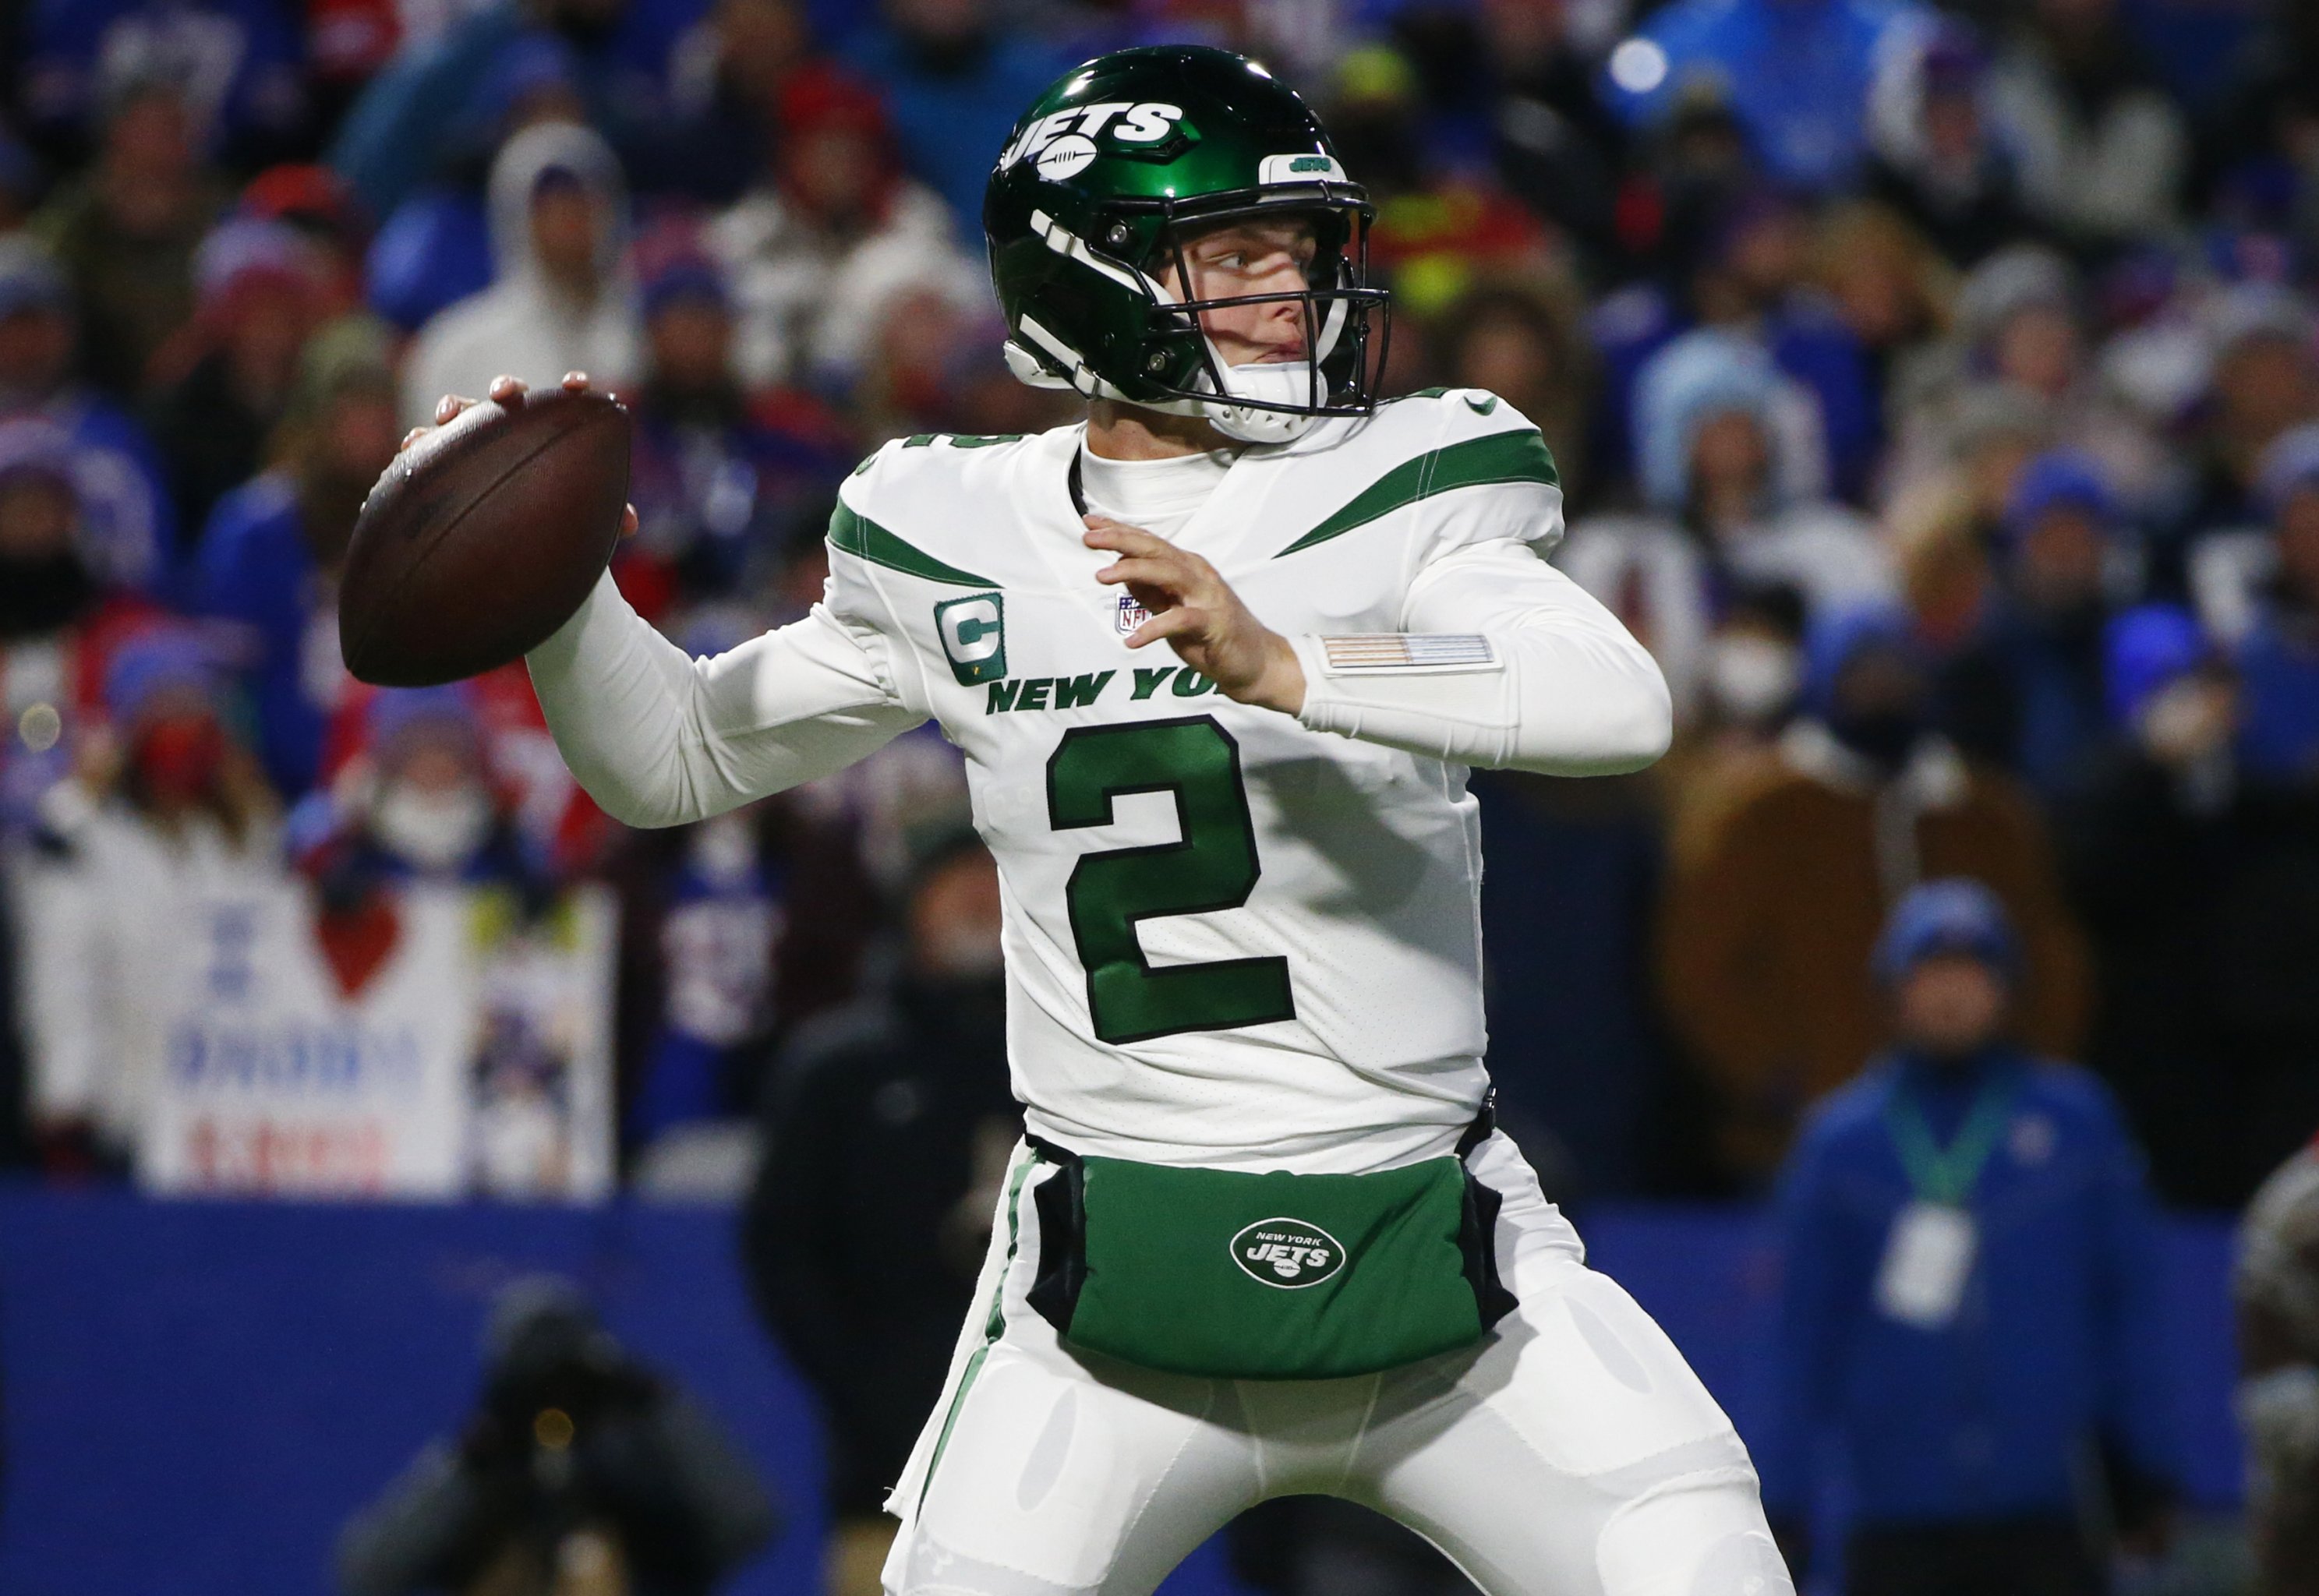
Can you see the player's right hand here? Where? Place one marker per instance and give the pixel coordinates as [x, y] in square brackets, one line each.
[504, 391]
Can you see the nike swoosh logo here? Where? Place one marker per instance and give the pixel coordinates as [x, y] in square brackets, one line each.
[1484, 407]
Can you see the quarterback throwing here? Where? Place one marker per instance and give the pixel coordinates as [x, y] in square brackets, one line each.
[1219, 659]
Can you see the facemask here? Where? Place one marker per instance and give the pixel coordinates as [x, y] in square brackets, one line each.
[1273, 381]
[177, 758]
[1749, 677]
[431, 831]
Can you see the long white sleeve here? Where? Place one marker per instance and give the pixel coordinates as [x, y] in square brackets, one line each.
[658, 738]
[1502, 662]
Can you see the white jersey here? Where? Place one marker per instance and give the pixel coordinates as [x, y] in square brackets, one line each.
[1234, 937]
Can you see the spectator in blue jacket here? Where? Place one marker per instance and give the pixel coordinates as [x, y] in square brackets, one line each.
[270, 556]
[2027, 690]
[1971, 1303]
[957, 80]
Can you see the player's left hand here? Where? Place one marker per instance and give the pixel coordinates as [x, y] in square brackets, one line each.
[1200, 617]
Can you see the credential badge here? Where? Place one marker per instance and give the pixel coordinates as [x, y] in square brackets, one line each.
[973, 632]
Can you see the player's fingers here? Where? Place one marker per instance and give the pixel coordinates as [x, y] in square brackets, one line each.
[411, 436]
[508, 390]
[1103, 532]
[628, 520]
[575, 381]
[1163, 574]
[448, 406]
[1172, 623]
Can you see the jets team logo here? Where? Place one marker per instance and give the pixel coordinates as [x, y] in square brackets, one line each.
[1067, 142]
[1288, 1253]
[973, 632]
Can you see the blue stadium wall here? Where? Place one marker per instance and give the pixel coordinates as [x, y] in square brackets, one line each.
[198, 1395]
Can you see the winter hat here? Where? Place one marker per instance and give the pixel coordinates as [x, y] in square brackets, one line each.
[154, 662]
[2144, 651]
[1836, 637]
[2060, 479]
[1952, 915]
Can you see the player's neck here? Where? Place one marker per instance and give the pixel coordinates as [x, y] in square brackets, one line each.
[1117, 431]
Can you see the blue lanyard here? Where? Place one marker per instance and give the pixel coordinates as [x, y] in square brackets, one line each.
[1946, 1176]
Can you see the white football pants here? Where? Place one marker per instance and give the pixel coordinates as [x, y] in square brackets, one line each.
[1570, 1453]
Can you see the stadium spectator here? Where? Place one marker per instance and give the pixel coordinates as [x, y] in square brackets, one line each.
[435, 248]
[726, 83]
[126, 229]
[129, 527]
[580, 1469]
[224, 383]
[238, 62]
[560, 300]
[2103, 152]
[59, 619]
[2276, 1287]
[2025, 691]
[956, 76]
[2184, 873]
[2270, 614]
[1798, 73]
[408, 118]
[1785, 865]
[169, 806]
[723, 481]
[1968, 1305]
[1556, 145]
[417, 802]
[830, 236]
[270, 556]
[1936, 160]
[1731, 471]
[887, 1135]
[2265, 381]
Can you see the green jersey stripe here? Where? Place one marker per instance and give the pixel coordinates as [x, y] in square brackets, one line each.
[994, 1324]
[1519, 457]
[865, 539]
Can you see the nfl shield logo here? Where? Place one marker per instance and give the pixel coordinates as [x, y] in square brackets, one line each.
[1130, 615]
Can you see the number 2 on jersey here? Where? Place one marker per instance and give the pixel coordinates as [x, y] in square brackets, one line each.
[1211, 866]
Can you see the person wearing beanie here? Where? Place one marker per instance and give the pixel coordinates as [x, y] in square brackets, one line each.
[269, 555]
[1783, 866]
[2025, 690]
[1968, 1306]
[2176, 855]
[168, 810]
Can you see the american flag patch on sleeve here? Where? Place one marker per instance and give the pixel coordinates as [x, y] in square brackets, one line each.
[1408, 652]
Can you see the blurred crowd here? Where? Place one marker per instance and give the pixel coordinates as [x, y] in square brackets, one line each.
[1936, 391]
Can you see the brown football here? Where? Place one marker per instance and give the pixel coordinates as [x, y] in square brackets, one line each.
[483, 539]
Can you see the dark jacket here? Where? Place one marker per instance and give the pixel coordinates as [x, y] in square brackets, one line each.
[885, 1137]
[2056, 1344]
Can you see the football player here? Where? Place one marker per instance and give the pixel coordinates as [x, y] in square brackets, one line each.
[1219, 658]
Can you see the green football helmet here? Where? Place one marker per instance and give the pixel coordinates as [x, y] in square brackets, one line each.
[1089, 205]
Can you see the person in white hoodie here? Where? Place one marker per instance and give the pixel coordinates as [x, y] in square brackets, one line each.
[562, 300]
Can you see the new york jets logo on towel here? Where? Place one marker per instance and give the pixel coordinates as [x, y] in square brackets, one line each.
[1288, 1253]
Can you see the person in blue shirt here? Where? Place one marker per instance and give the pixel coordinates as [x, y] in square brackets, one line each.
[1970, 1304]
[270, 556]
